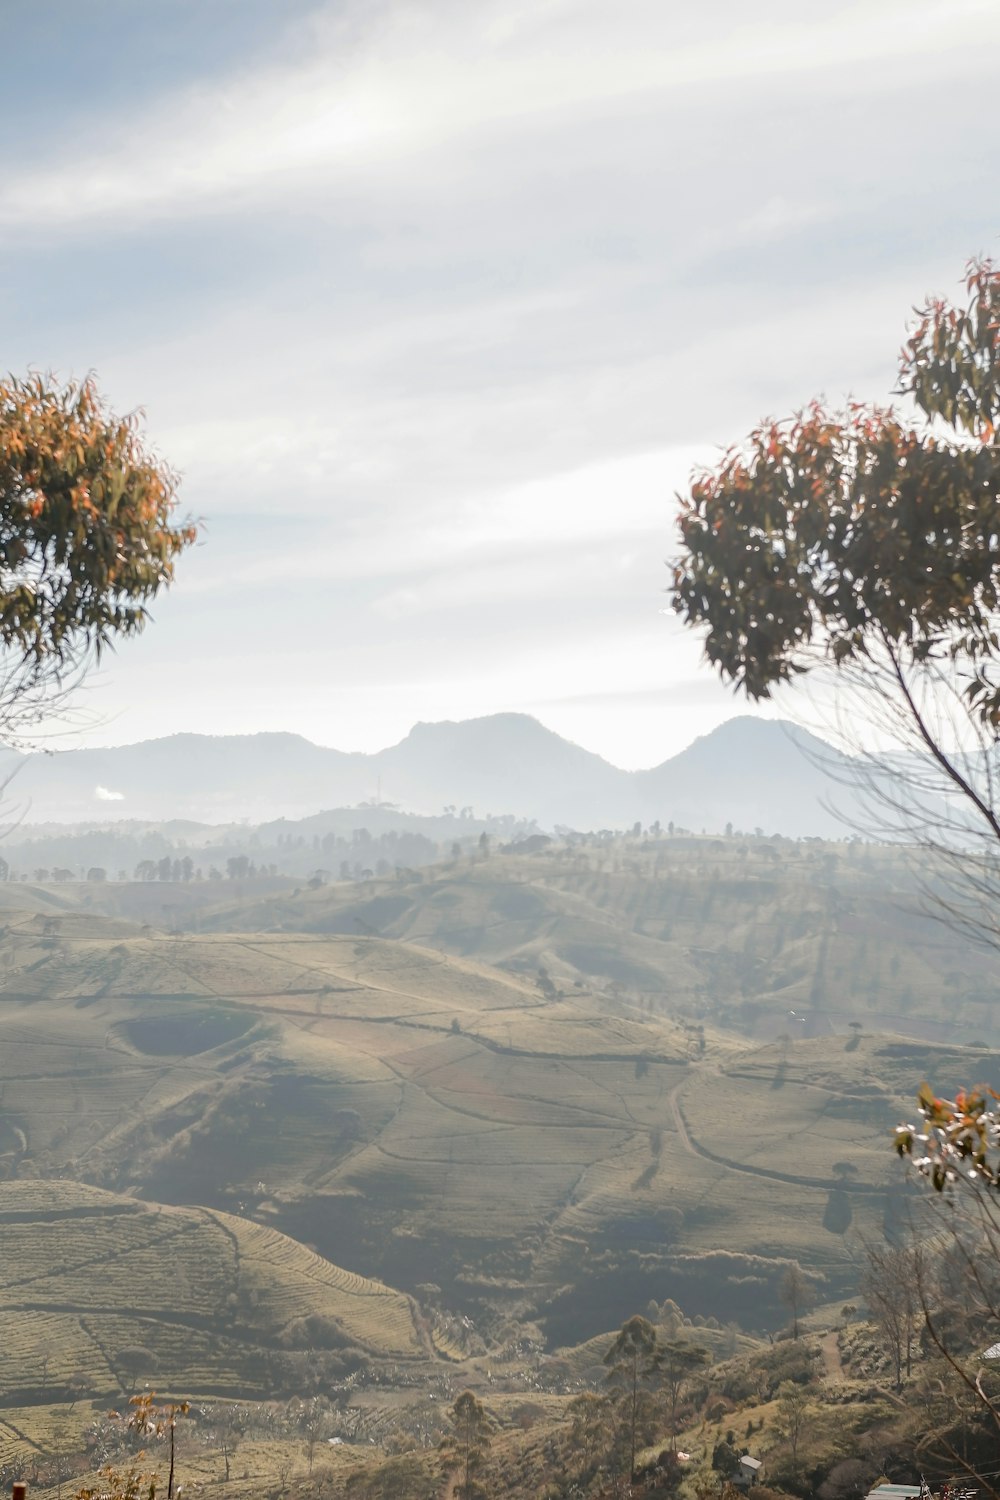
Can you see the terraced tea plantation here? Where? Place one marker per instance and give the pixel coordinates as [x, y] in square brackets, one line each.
[737, 931]
[240, 1162]
[100, 1293]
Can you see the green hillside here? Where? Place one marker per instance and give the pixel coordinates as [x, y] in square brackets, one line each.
[536, 1094]
[548, 1152]
[739, 931]
[100, 1292]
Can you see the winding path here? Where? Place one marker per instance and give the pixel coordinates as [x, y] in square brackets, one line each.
[833, 1369]
[770, 1174]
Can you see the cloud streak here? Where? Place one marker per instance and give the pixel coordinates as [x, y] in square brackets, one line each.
[434, 80]
[434, 306]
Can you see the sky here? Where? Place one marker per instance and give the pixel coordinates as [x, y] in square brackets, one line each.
[435, 305]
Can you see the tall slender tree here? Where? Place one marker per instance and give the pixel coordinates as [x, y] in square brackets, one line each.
[676, 1362]
[798, 1294]
[632, 1363]
[890, 1285]
[465, 1451]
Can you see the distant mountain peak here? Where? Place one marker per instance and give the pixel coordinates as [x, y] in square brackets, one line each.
[750, 772]
[193, 738]
[517, 722]
[750, 731]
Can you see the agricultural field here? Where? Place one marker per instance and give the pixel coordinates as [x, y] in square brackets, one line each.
[733, 931]
[100, 1292]
[602, 1078]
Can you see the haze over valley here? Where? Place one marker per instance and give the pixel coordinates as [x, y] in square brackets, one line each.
[378, 1097]
[499, 708]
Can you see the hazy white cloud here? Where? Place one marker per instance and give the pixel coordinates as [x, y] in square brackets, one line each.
[435, 306]
[104, 794]
[422, 79]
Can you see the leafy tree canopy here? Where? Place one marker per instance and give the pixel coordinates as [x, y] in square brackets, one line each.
[634, 1349]
[86, 539]
[833, 534]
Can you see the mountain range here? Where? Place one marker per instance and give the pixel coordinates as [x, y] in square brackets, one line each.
[750, 772]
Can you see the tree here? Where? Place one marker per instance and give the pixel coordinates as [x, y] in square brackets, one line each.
[466, 1450]
[793, 1406]
[313, 1418]
[631, 1362]
[871, 548]
[86, 539]
[676, 1362]
[791, 545]
[797, 1293]
[545, 983]
[133, 1361]
[890, 1285]
[592, 1426]
[232, 1428]
[725, 1459]
[955, 1148]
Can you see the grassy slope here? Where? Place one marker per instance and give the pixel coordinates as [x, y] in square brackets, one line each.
[739, 931]
[87, 1274]
[416, 1114]
[427, 1119]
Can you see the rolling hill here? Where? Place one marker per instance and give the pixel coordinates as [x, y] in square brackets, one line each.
[744, 933]
[538, 1151]
[100, 1292]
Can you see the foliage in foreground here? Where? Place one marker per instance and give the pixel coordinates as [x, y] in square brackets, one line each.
[86, 538]
[870, 547]
[134, 1480]
[832, 535]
